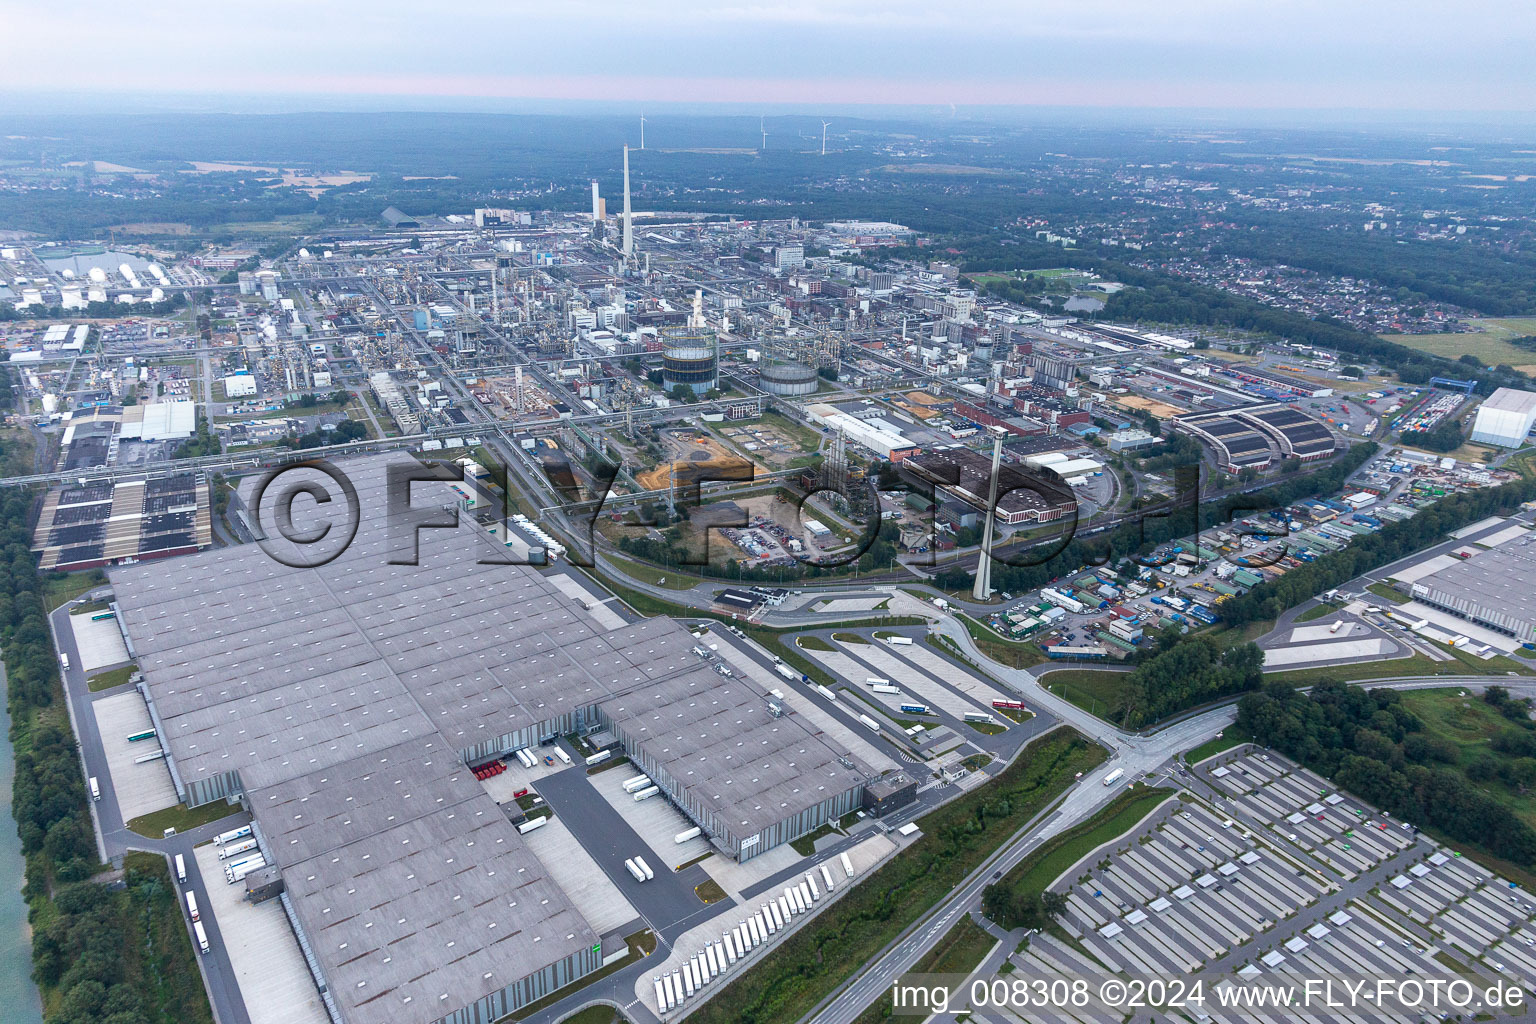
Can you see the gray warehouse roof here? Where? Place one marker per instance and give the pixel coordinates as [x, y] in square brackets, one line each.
[413, 888]
[344, 695]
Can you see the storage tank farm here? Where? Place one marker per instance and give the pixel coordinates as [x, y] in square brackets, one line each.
[690, 356]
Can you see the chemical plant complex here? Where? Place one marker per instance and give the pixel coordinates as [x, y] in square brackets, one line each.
[685, 629]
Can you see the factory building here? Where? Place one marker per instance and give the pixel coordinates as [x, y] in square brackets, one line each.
[1505, 418]
[1495, 589]
[879, 435]
[1295, 433]
[1023, 495]
[99, 522]
[1237, 445]
[342, 704]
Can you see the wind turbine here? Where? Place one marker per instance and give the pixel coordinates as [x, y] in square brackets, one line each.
[824, 125]
[642, 129]
[763, 128]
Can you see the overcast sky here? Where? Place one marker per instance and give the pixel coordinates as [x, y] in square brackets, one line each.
[1432, 55]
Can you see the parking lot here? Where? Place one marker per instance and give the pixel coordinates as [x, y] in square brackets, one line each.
[275, 983]
[656, 820]
[139, 788]
[1270, 871]
[577, 874]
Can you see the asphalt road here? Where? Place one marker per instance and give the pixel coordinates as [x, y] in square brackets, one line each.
[114, 839]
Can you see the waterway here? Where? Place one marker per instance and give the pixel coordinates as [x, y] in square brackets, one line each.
[18, 995]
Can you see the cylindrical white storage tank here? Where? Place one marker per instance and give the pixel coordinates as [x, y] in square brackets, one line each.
[789, 379]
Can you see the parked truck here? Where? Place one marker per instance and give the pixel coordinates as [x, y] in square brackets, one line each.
[643, 866]
[532, 824]
[634, 869]
[232, 835]
[236, 849]
[202, 936]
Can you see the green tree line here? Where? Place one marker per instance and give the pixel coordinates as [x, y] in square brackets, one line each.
[1373, 746]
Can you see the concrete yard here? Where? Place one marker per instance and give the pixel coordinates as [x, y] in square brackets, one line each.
[815, 715]
[140, 788]
[1311, 634]
[100, 643]
[1310, 654]
[736, 878]
[574, 870]
[977, 689]
[844, 605]
[602, 615]
[1504, 536]
[655, 820]
[275, 983]
[914, 682]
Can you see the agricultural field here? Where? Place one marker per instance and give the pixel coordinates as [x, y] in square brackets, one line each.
[1489, 342]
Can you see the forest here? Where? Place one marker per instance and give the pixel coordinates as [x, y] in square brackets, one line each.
[1369, 743]
[92, 947]
[1188, 671]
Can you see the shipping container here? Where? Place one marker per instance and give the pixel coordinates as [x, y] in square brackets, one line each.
[810, 879]
[784, 908]
[777, 911]
[600, 757]
[649, 874]
[153, 755]
[848, 865]
[729, 942]
[805, 895]
[562, 755]
[687, 834]
[646, 793]
[533, 823]
[634, 869]
[661, 995]
[826, 876]
[885, 688]
[636, 784]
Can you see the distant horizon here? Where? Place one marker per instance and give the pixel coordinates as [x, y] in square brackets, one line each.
[237, 104]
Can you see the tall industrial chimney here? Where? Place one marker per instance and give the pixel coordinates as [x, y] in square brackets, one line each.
[629, 229]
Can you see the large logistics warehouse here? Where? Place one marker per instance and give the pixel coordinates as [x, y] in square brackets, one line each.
[1495, 589]
[343, 703]
[1506, 418]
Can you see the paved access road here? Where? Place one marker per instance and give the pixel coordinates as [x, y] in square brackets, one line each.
[1140, 757]
[114, 839]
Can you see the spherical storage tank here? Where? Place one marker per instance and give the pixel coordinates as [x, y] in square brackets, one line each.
[689, 356]
[789, 379]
